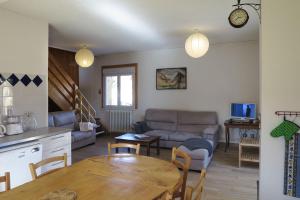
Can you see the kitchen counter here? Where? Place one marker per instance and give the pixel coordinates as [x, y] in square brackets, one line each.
[30, 136]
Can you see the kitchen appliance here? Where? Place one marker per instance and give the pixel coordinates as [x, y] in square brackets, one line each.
[16, 160]
[29, 121]
[13, 125]
[2, 130]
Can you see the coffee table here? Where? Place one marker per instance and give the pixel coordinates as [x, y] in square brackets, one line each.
[147, 141]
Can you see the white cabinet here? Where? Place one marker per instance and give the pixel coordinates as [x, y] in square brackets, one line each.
[16, 160]
[56, 145]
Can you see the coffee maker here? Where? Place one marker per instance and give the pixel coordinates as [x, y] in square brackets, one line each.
[14, 125]
[2, 127]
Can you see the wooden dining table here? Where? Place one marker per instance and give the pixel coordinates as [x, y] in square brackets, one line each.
[115, 177]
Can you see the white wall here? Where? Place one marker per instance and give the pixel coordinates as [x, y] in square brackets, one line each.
[227, 73]
[280, 69]
[24, 50]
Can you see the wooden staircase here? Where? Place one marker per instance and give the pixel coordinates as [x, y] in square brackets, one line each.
[65, 93]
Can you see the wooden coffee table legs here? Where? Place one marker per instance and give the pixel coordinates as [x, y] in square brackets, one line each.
[147, 144]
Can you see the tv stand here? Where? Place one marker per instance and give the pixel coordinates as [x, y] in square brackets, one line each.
[248, 125]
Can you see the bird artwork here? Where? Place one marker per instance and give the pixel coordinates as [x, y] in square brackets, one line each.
[171, 78]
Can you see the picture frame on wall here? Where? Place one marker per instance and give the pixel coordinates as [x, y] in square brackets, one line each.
[171, 78]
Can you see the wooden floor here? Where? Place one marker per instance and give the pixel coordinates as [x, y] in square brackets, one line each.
[225, 181]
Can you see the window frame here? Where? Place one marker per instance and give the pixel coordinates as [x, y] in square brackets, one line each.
[135, 87]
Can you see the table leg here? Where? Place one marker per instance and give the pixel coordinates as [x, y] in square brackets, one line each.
[226, 138]
[148, 149]
[157, 147]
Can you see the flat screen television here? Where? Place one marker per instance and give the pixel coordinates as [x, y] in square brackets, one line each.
[243, 110]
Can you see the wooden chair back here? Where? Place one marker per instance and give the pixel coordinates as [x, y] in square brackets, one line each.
[123, 145]
[185, 166]
[6, 179]
[197, 191]
[33, 167]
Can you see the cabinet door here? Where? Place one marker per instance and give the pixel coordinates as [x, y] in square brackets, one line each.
[17, 161]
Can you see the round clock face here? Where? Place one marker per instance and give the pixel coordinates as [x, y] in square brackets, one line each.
[238, 18]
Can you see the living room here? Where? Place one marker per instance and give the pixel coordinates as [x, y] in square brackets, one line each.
[146, 41]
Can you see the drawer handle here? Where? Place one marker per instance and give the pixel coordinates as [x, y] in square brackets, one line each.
[21, 156]
[57, 163]
[57, 150]
[36, 149]
[55, 138]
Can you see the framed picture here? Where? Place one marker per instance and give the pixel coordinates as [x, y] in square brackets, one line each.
[171, 78]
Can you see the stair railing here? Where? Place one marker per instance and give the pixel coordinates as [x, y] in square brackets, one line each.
[85, 109]
[69, 92]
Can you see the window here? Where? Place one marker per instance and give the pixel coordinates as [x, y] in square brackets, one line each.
[119, 86]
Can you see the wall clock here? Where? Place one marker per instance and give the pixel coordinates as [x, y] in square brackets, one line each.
[238, 18]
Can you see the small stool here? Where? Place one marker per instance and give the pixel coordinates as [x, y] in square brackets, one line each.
[200, 157]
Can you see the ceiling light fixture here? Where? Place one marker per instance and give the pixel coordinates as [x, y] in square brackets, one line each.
[84, 57]
[196, 45]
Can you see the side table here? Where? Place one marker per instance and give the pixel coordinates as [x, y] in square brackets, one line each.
[230, 124]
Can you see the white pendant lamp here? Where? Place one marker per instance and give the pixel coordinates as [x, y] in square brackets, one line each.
[196, 45]
[84, 57]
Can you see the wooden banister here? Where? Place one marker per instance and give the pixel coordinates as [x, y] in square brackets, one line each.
[65, 92]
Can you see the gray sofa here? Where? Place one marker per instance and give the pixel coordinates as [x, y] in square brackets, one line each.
[174, 126]
[67, 119]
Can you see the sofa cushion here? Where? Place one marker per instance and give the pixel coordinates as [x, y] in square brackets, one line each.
[159, 115]
[79, 135]
[182, 136]
[197, 154]
[158, 119]
[191, 128]
[164, 135]
[50, 120]
[212, 129]
[197, 118]
[64, 119]
[161, 126]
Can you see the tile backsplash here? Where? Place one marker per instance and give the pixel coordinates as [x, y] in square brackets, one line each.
[23, 93]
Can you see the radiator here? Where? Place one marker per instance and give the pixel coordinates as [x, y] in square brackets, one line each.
[120, 120]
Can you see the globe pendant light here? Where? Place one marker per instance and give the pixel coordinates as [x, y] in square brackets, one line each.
[84, 57]
[196, 45]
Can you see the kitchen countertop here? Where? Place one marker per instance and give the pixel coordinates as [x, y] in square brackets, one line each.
[30, 136]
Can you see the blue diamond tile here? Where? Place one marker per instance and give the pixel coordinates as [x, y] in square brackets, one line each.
[13, 79]
[37, 81]
[2, 79]
[25, 80]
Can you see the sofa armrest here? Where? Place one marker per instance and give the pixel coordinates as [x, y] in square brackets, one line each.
[212, 133]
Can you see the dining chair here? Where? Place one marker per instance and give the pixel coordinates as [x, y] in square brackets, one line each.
[123, 145]
[185, 166]
[168, 195]
[197, 191]
[6, 179]
[33, 167]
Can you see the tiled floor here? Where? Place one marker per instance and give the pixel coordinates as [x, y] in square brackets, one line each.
[225, 181]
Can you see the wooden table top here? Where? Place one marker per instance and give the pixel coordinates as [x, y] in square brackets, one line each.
[130, 137]
[105, 177]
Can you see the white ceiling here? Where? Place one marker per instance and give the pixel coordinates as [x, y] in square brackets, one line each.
[110, 26]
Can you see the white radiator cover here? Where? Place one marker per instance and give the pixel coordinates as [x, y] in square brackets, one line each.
[120, 120]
